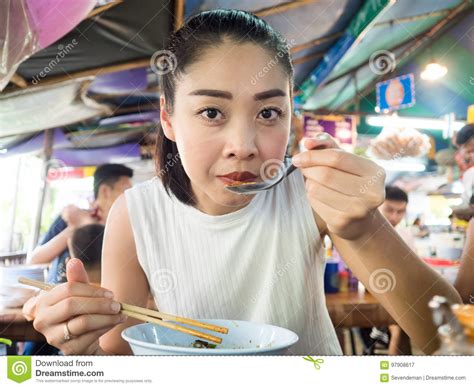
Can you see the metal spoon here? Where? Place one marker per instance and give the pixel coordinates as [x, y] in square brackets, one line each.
[286, 169]
[254, 188]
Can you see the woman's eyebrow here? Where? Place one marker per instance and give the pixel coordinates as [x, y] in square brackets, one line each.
[227, 95]
[212, 93]
[269, 94]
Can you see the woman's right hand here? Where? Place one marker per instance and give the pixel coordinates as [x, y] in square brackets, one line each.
[76, 307]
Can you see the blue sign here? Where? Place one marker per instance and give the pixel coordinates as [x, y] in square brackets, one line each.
[396, 93]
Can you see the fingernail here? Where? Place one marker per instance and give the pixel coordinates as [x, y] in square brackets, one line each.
[296, 159]
[123, 318]
[115, 306]
[322, 136]
[109, 294]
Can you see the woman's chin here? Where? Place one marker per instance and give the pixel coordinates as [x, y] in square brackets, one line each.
[232, 200]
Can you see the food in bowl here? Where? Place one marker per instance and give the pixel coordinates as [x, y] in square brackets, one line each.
[240, 183]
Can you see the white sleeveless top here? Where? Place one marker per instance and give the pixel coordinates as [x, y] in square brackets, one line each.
[262, 263]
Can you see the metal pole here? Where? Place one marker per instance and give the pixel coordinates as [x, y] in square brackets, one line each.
[47, 152]
[14, 206]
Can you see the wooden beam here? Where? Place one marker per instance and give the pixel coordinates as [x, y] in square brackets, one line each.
[355, 68]
[307, 58]
[413, 18]
[179, 13]
[283, 7]
[145, 62]
[316, 42]
[103, 8]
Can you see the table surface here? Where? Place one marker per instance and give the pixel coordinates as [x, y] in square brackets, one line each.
[14, 326]
[346, 309]
[356, 309]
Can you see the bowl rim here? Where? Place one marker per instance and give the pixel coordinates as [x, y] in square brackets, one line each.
[199, 351]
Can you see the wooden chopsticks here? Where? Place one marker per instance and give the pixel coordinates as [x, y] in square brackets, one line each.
[151, 316]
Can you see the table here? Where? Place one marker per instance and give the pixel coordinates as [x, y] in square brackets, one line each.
[14, 326]
[356, 309]
[346, 309]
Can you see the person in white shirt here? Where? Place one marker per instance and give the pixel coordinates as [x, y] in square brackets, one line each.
[204, 251]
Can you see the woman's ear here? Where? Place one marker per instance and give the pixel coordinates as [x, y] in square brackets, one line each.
[166, 120]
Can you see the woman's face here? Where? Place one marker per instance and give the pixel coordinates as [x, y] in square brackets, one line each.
[231, 119]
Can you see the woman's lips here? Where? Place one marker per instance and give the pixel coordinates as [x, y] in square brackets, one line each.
[233, 177]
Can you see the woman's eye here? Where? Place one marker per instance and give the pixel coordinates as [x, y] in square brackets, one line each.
[211, 114]
[270, 113]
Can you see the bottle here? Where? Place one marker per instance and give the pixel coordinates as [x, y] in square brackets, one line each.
[331, 277]
[450, 331]
[353, 282]
[344, 281]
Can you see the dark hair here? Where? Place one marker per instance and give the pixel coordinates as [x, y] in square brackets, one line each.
[394, 193]
[86, 245]
[203, 31]
[465, 134]
[109, 174]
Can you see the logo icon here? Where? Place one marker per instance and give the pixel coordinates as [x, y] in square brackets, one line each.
[384, 378]
[384, 364]
[19, 368]
[316, 362]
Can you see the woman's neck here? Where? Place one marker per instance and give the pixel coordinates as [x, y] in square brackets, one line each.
[207, 205]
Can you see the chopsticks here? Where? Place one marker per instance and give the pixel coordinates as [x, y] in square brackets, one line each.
[151, 316]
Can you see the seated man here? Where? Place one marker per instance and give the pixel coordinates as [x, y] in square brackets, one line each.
[110, 180]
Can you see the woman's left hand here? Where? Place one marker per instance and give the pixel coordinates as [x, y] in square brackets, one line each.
[343, 189]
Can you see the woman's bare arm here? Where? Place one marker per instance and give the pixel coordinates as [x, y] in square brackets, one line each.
[401, 282]
[465, 279]
[121, 273]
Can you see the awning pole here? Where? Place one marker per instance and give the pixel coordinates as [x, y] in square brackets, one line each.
[47, 152]
[14, 206]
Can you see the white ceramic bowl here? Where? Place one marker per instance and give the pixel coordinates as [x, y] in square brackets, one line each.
[243, 338]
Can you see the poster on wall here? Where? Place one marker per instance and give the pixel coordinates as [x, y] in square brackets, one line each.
[396, 93]
[341, 127]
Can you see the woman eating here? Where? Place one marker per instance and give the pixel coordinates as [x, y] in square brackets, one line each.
[205, 252]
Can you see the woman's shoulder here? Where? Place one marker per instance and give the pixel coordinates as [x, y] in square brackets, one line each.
[144, 187]
[118, 216]
[146, 193]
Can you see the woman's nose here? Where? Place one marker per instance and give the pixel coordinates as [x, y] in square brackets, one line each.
[241, 144]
